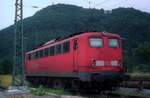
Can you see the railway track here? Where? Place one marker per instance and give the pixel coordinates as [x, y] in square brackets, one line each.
[120, 93]
[138, 86]
[141, 81]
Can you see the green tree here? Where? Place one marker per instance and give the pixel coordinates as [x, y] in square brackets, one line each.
[6, 67]
[142, 56]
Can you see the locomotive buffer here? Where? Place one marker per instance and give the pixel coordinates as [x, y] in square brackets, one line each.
[18, 80]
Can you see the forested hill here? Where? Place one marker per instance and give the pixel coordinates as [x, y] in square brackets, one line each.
[61, 20]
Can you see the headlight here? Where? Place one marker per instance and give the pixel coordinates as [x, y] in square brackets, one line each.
[114, 63]
[100, 63]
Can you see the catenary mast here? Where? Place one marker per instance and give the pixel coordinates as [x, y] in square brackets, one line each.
[18, 66]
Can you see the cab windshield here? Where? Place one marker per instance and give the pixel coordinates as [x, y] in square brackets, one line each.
[96, 42]
[113, 43]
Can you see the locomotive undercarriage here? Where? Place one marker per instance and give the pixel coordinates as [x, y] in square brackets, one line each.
[73, 84]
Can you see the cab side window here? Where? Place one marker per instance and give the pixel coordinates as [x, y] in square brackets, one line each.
[75, 44]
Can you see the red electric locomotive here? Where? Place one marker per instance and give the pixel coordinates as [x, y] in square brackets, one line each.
[93, 59]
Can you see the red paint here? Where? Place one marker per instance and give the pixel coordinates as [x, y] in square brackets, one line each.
[79, 60]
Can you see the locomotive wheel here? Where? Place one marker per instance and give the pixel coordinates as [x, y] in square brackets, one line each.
[49, 83]
[57, 83]
[33, 81]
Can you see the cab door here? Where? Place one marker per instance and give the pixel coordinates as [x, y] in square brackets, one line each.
[75, 55]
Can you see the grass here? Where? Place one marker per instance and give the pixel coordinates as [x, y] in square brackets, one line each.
[41, 91]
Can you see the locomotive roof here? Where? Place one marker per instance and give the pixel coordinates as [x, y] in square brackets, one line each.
[74, 35]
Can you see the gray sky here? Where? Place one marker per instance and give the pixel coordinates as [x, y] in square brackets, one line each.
[7, 11]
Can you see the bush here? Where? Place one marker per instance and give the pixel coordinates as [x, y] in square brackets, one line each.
[40, 91]
[6, 67]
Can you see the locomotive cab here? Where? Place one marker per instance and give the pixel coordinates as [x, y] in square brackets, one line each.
[106, 52]
[103, 57]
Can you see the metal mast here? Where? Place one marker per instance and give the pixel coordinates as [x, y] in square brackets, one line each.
[18, 66]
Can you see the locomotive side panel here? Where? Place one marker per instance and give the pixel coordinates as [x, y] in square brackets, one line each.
[64, 63]
[59, 63]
